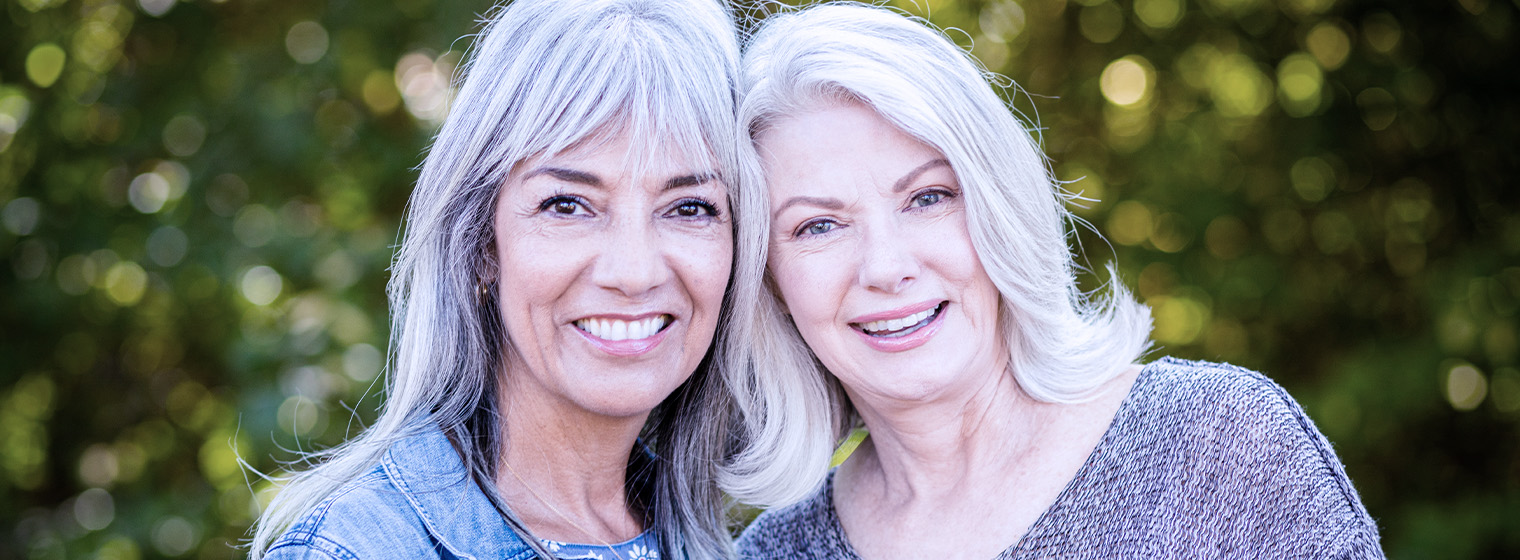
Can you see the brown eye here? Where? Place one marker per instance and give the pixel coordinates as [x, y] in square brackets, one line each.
[563, 205]
[693, 208]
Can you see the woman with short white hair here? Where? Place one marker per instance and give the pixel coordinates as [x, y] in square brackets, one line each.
[919, 281]
[554, 300]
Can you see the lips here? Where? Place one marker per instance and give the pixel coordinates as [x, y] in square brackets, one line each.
[903, 328]
[892, 328]
[623, 335]
[614, 329]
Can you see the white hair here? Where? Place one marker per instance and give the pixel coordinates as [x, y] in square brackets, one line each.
[1063, 343]
[543, 76]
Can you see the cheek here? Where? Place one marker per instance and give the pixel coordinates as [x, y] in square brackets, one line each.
[981, 296]
[804, 283]
[533, 272]
[704, 266]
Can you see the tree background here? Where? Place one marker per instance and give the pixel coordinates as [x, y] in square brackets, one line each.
[199, 200]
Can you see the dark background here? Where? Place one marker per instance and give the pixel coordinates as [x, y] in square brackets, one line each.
[199, 201]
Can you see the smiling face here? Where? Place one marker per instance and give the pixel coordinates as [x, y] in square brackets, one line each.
[610, 275]
[870, 252]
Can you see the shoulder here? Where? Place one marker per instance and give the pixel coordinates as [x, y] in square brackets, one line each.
[1234, 442]
[368, 517]
[1226, 404]
[1188, 382]
[1222, 413]
[801, 530]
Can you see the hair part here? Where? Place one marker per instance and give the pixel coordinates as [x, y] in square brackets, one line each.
[1064, 343]
[545, 76]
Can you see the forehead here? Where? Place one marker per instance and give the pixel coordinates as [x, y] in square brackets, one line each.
[836, 144]
[620, 152]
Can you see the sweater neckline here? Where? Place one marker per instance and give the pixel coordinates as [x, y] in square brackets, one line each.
[836, 528]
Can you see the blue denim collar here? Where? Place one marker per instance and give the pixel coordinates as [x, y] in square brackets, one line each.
[430, 474]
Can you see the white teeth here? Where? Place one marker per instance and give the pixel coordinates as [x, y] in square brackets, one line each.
[615, 330]
[889, 325]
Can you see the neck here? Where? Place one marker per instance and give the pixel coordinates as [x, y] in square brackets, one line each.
[563, 467]
[929, 450]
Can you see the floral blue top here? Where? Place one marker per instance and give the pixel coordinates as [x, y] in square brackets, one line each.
[642, 547]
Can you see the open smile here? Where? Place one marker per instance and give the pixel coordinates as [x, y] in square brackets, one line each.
[894, 328]
[901, 329]
[625, 336]
[614, 329]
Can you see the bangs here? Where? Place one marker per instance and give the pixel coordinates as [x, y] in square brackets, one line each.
[634, 80]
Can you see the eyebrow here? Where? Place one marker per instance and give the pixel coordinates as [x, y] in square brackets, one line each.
[589, 179]
[908, 178]
[821, 202]
[566, 175]
[836, 204]
[690, 180]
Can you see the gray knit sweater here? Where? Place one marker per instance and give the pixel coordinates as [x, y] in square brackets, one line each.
[1201, 460]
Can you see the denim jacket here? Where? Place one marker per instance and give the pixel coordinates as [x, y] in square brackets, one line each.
[418, 502]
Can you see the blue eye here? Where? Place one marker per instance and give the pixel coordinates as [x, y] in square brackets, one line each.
[817, 227]
[929, 198]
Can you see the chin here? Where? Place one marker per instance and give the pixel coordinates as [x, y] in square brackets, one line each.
[919, 380]
[639, 395]
[909, 391]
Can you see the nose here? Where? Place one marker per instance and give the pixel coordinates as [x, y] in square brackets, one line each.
[632, 261]
[887, 262]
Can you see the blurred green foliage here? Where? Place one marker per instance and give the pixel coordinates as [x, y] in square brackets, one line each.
[199, 201]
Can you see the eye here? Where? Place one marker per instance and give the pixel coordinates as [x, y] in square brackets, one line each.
[816, 227]
[929, 198]
[564, 205]
[693, 208]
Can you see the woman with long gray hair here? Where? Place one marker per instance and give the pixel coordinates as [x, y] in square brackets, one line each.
[565, 265]
[919, 282]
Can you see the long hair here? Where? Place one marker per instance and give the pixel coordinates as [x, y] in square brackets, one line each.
[1064, 343]
[543, 76]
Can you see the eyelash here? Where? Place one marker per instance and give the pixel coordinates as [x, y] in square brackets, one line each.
[943, 193]
[561, 198]
[710, 208]
[802, 230]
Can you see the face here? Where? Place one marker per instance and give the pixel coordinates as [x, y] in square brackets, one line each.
[610, 275]
[870, 252]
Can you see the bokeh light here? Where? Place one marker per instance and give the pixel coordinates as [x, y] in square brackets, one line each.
[199, 202]
[261, 285]
[1160, 14]
[1329, 45]
[44, 64]
[1127, 81]
[424, 85]
[306, 42]
[1465, 387]
[1300, 85]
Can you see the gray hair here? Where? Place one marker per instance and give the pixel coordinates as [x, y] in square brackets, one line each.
[1064, 344]
[543, 76]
